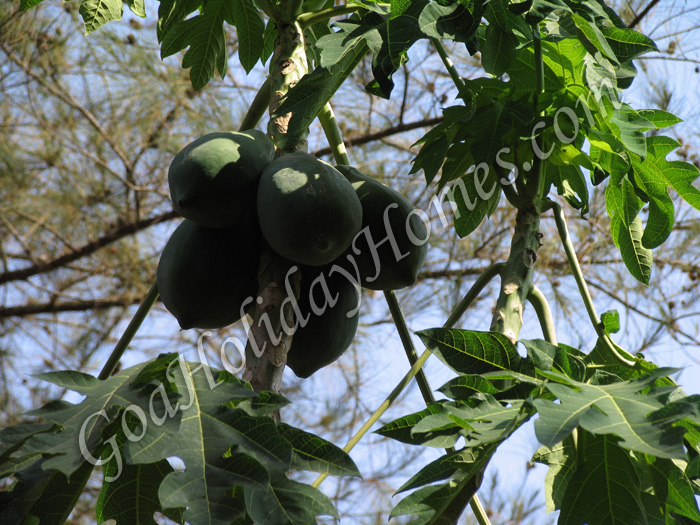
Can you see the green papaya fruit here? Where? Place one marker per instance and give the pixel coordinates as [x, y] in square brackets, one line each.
[389, 266]
[205, 274]
[213, 180]
[308, 212]
[328, 331]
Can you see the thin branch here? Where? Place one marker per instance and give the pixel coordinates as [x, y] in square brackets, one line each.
[86, 249]
[370, 137]
[67, 306]
[644, 13]
[64, 95]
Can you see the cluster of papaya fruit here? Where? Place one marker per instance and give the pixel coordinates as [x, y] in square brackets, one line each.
[237, 198]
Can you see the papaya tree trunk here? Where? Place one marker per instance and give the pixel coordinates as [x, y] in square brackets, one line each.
[270, 336]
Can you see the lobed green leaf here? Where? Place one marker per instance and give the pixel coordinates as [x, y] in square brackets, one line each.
[472, 352]
[618, 408]
[97, 13]
[314, 453]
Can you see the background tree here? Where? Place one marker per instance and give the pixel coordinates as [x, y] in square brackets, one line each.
[89, 127]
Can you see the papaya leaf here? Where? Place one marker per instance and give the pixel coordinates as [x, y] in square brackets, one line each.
[262, 405]
[431, 156]
[313, 34]
[314, 453]
[389, 43]
[475, 195]
[287, 502]
[472, 352]
[692, 436]
[600, 75]
[629, 126]
[430, 502]
[498, 50]
[82, 424]
[45, 496]
[12, 438]
[593, 38]
[464, 386]
[570, 183]
[453, 465]
[220, 446]
[205, 36]
[600, 355]
[661, 210]
[138, 7]
[133, 497]
[250, 28]
[541, 9]
[438, 140]
[653, 175]
[268, 41]
[627, 44]
[605, 488]
[659, 118]
[97, 13]
[611, 321]
[400, 429]
[617, 408]
[561, 59]
[692, 470]
[457, 21]
[626, 228]
[436, 430]
[389, 35]
[132, 494]
[561, 461]
[546, 356]
[170, 12]
[673, 489]
[498, 13]
[486, 422]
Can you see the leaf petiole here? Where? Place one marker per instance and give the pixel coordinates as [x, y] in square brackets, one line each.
[133, 327]
[308, 19]
[560, 221]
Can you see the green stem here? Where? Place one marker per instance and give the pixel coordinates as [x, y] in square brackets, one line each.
[258, 108]
[405, 336]
[535, 187]
[449, 65]
[422, 380]
[583, 288]
[459, 310]
[381, 408]
[544, 314]
[333, 135]
[479, 511]
[130, 332]
[308, 19]
[474, 292]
